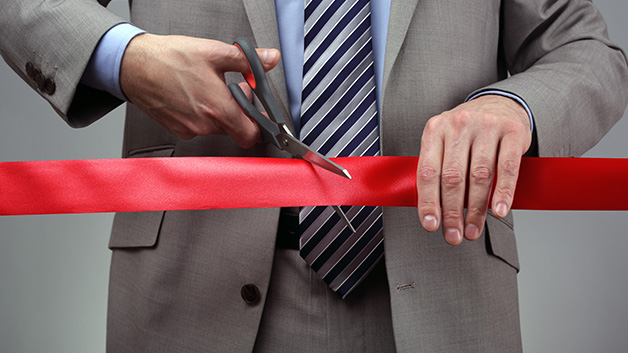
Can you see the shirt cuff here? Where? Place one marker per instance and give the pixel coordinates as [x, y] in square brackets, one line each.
[103, 69]
[511, 96]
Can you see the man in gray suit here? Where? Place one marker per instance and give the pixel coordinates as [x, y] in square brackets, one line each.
[216, 281]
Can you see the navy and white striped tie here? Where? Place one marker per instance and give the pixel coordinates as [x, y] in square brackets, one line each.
[339, 118]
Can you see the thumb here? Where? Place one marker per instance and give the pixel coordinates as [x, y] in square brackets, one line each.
[268, 57]
[231, 58]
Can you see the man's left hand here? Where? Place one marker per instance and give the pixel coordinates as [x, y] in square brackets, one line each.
[461, 150]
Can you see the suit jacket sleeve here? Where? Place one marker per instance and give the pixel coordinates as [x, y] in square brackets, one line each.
[563, 65]
[58, 37]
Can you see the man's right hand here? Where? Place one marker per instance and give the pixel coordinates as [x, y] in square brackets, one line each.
[179, 82]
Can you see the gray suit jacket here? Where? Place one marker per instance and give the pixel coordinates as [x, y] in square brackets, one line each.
[176, 276]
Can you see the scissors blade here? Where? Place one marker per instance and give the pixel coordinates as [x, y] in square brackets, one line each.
[344, 218]
[298, 148]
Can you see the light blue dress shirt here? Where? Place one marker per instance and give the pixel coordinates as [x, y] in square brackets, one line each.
[290, 18]
[103, 70]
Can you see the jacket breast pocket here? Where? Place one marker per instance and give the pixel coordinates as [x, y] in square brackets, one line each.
[139, 229]
[501, 239]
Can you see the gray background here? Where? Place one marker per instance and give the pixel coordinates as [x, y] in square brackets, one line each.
[54, 269]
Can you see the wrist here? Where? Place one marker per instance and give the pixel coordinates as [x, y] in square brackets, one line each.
[103, 69]
[133, 60]
[512, 96]
[516, 109]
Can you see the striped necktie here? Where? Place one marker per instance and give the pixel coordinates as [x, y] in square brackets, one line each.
[339, 118]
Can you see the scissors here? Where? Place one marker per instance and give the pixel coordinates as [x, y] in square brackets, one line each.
[276, 132]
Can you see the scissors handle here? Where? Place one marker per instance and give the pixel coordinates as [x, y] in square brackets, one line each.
[257, 80]
[268, 129]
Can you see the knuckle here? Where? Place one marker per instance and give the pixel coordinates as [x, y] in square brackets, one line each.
[427, 205]
[231, 53]
[460, 118]
[481, 174]
[427, 173]
[506, 192]
[452, 216]
[452, 177]
[431, 126]
[476, 212]
[509, 167]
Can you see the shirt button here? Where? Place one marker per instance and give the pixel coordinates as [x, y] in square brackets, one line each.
[250, 293]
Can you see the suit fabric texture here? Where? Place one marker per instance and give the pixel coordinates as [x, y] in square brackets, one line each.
[176, 277]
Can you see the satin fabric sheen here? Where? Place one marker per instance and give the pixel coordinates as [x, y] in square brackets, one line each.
[156, 184]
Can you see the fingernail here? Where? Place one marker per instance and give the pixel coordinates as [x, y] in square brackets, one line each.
[501, 209]
[471, 232]
[430, 223]
[268, 56]
[452, 236]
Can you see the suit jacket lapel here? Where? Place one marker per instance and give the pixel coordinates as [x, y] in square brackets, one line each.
[401, 13]
[263, 20]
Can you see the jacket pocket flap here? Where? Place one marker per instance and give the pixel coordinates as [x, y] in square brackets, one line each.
[501, 239]
[135, 229]
[139, 229]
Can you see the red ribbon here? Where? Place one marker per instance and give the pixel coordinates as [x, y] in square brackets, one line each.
[152, 184]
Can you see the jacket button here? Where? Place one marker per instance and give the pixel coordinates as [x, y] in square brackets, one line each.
[250, 293]
[49, 86]
[30, 70]
[39, 79]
